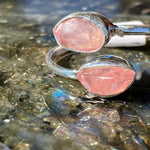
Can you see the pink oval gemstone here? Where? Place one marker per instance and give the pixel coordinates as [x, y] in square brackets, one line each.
[106, 80]
[79, 34]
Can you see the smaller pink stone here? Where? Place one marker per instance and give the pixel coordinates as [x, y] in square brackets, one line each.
[106, 80]
[79, 34]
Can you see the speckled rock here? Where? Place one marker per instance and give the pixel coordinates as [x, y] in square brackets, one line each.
[40, 110]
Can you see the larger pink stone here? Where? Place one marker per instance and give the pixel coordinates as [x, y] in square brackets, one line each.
[79, 34]
[106, 80]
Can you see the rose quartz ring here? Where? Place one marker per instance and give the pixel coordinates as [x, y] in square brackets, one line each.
[106, 76]
[87, 32]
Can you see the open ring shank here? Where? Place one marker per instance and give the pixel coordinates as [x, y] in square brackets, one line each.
[51, 56]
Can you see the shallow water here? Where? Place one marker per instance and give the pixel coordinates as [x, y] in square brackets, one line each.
[40, 110]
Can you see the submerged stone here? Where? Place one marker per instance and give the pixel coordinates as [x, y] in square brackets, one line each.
[106, 80]
[79, 34]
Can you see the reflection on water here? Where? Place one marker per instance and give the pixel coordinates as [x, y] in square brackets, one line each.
[40, 110]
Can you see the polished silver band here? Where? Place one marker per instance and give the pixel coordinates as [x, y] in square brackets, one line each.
[52, 63]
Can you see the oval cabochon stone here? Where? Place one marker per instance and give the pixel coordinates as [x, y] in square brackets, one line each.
[79, 34]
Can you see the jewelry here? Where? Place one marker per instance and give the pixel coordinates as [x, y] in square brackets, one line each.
[89, 31]
[106, 75]
[86, 32]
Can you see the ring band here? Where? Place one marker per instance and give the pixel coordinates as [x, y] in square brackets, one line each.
[65, 72]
